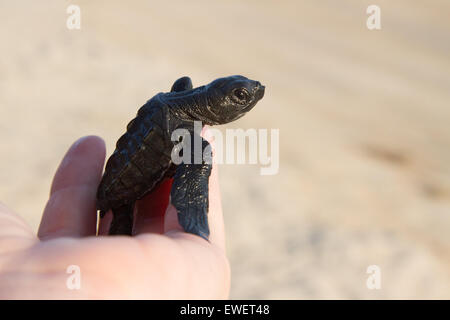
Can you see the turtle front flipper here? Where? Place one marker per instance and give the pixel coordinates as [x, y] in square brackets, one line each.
[189, 195]
[122, 222]
[182, 84]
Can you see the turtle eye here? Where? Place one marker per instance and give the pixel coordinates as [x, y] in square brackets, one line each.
[240, 95]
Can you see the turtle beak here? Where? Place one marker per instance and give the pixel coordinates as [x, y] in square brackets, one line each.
[259, 94]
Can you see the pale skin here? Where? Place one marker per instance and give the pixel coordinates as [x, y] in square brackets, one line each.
[160, 261]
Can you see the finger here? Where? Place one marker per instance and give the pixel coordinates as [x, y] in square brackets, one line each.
[151, 209]
[104, 223]
[215, 215]
[71, 209]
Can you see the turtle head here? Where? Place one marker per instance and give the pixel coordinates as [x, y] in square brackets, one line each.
[232, 97]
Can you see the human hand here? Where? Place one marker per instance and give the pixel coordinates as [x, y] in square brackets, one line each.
[159, 262]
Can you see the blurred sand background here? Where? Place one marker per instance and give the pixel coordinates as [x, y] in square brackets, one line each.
[363, 116]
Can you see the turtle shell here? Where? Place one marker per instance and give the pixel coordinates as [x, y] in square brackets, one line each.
[141, 158]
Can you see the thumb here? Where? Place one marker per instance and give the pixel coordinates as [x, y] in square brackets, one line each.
[71, 209]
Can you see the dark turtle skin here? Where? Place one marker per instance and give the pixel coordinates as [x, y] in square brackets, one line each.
[142, 158]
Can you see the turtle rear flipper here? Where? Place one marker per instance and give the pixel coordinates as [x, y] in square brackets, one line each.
[122, 222]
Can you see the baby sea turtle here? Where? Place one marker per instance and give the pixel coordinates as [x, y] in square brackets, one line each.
[142, 158]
